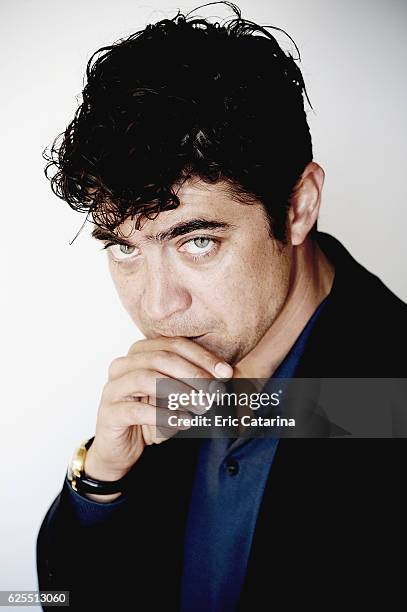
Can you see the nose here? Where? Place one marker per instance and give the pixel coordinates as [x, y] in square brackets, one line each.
[164, 293]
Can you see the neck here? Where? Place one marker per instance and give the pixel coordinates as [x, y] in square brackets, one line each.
[311, 281]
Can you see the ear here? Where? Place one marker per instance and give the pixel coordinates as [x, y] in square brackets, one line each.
[305, 203]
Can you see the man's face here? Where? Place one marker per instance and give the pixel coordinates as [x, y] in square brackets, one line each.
[225, 282]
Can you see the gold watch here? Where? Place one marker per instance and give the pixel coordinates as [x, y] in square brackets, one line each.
[76, 467]
[81, 483]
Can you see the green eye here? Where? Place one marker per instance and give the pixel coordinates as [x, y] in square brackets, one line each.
[200, 246]
[201, 242]
[126, 249]
[121, 252]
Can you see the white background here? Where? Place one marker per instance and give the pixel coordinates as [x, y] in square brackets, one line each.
[62, 323]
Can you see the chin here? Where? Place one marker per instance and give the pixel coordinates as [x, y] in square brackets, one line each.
[228, 353]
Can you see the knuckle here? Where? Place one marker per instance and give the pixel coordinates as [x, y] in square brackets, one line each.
[135, 347]
[105, 392]
[115, 367]
[163, 358]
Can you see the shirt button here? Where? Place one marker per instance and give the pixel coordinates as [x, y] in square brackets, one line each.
[232, 467]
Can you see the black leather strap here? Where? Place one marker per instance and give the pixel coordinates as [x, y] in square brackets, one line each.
[86, 484]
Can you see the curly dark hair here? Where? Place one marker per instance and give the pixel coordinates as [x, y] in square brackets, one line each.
[184, 97]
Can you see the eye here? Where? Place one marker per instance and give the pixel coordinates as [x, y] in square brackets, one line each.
[122, 252]
[199, 245]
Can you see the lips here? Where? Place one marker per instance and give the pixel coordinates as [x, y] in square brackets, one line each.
[158, 334]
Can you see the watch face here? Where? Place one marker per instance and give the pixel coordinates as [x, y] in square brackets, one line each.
[75, 467]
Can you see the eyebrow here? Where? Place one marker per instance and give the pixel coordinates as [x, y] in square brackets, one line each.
[178, 229]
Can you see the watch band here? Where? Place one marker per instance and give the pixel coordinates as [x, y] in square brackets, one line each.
[81, 483]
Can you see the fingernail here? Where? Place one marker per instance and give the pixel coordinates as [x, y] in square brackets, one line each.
[223, 370]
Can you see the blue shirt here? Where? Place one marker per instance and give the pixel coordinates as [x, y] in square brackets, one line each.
[227, 493]
[226, 497]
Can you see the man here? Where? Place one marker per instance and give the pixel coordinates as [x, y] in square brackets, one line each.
[191, 152]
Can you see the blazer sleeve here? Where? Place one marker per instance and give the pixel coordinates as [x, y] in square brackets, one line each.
[80, 544]
[105, 554]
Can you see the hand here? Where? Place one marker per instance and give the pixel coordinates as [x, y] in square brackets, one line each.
[129, 410]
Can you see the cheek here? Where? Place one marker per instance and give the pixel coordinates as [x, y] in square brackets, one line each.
[126, 289]
[253, 289]
[227, 296]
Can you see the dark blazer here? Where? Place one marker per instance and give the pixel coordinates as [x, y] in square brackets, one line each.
[323, 530]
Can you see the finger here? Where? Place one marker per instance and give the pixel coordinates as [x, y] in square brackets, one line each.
[126, 414]
[140, 383]
[154, 435]
[163, 402]
[188, 349]
[147, 399]
[163, 361]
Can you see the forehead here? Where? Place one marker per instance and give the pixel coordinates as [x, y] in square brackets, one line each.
[197, 198]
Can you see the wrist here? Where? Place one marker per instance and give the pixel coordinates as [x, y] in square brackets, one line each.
[95, 468]
[97, 481]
